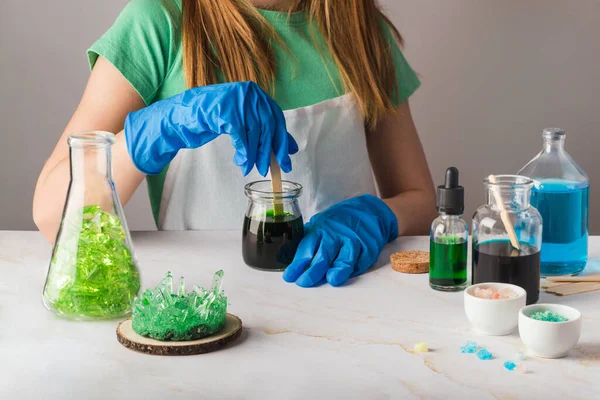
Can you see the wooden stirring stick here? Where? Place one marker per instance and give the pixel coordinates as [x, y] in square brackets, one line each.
[574, 288]
[569, 278]
[276, 185]
[551, 285]
[504, 215]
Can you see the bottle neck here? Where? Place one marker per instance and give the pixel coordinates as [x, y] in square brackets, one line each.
[553, 144]
[554, 140]
[262, 192]
[89, 163]
[515, 199]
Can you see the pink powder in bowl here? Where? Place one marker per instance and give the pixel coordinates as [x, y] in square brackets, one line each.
[494, 294]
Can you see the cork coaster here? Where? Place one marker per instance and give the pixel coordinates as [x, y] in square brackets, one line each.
[128, 338]
[410, 262]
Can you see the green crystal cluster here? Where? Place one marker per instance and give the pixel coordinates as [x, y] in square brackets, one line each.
[164, 315]
[548, 316]
[92, 272]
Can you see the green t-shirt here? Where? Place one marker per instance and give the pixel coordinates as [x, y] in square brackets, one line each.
[145, 45]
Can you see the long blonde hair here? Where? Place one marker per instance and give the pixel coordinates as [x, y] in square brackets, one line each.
[225, 34]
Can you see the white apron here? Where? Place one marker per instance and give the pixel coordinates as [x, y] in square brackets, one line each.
[203, 189]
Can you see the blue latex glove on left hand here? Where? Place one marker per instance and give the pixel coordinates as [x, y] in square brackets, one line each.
[343, 241]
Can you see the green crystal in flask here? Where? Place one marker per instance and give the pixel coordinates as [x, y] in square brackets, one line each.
[93, 272]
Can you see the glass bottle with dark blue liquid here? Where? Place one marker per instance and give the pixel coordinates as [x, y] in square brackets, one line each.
[561, 195]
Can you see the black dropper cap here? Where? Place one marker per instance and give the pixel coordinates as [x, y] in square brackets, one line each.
[451, 196]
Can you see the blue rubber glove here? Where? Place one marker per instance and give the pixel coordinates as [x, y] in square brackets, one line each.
[195, 117]
[343, 241]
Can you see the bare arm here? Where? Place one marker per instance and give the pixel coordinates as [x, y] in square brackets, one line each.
[402, 173]
[107, 100]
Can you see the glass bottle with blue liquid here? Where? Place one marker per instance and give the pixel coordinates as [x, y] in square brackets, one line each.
[561, 195]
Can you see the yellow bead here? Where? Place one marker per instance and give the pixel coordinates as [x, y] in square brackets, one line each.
[421, 347]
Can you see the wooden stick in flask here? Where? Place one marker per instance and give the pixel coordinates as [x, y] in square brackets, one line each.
[504, 215]
[276, 185]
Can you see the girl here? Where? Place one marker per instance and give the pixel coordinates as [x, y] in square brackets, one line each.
[176, 74]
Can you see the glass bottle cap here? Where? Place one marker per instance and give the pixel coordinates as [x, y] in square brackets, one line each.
[450, 195]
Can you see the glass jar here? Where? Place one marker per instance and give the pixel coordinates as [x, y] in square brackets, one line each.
[561, 194]
[494, 259]
[273, 225]
[93, 272]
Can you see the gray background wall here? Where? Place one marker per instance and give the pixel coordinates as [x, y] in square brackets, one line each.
[494, 74]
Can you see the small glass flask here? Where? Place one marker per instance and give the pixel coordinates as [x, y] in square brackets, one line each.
[494, 259]
[561, 194]
[273, 225]
[93, 272]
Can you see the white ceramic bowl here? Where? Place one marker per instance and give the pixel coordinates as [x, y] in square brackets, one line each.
[549, 339]
[494, 317]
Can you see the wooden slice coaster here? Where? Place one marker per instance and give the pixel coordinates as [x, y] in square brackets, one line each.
[128, 338]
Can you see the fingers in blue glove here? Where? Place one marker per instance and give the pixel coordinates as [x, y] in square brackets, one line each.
[263, 158]
[370, 248]
[281, 144]
[304, 255]
[343, 265]
[281, 150]
[292, 145]
[243, 156]
[321, 262]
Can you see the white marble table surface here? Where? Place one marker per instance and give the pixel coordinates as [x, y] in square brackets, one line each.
[351, 342]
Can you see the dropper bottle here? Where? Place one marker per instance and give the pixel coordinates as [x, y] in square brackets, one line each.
[449, 237]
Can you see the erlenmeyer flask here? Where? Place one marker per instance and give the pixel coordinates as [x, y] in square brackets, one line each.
[93, 272]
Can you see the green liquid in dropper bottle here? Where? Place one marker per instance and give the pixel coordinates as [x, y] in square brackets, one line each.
[448, 262]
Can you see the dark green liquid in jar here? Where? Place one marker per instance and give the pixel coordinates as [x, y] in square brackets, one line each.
[269, 242]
